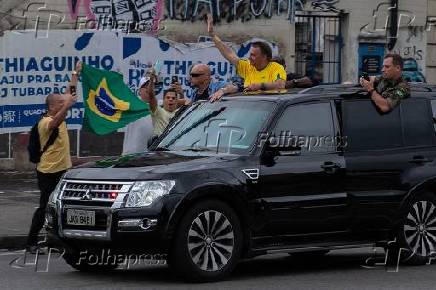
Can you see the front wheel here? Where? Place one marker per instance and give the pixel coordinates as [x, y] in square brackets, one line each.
[416, 233]
[208, 242]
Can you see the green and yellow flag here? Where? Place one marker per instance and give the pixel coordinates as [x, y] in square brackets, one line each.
[109, 103]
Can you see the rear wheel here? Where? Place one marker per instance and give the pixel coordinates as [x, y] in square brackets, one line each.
[208, 242]
[416, 233]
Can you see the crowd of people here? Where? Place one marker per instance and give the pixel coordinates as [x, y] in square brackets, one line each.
[259, 72]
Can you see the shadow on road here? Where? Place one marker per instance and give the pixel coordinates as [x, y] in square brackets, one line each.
[264, 266]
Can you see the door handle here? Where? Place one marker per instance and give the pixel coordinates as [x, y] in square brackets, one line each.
[330, 167]
[419, 159]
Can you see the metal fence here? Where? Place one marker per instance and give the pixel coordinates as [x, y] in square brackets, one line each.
[318, 44]
[82, 144]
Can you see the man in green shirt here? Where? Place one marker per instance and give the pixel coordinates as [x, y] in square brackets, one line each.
[388, 90]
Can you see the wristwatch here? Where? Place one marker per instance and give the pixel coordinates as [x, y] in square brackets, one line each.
[75, 72]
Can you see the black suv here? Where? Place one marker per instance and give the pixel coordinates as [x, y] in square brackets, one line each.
[251, 175]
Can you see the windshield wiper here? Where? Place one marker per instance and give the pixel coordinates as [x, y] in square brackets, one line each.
[161, 149]
[198, 149]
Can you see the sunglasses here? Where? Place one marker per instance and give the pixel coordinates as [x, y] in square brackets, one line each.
[194, 75]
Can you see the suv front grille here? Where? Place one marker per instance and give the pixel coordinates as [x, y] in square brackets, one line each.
[92, 192]
[99, 197]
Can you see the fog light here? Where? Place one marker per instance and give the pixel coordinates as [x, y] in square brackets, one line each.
[136, 224]
[130, 223]
[148, 223]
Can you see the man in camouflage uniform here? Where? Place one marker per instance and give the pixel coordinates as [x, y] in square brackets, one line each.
[388, 90]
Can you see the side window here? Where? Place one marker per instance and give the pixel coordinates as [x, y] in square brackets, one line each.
[366, 129]
[307, 126]
[417, 123]
[433, 108]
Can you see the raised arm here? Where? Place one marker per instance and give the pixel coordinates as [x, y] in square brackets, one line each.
[228, 89]
[378, 99]
[62, 113]
[147, 94]
[75, 77]
[225, 51]
[69, 100]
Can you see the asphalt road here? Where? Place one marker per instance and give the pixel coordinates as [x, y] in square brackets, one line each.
[337, 270]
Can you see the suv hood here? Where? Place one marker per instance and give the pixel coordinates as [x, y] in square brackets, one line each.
[148, 164]
[141, 160]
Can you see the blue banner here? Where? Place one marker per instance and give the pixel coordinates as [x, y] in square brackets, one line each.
[12, 116]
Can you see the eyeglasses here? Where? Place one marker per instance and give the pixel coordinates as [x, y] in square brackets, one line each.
[195, 75]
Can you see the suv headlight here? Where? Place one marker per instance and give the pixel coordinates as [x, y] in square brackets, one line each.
[54, 196]
[143, 193]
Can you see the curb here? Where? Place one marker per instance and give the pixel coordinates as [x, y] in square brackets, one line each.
[15, 242]
[13, 175]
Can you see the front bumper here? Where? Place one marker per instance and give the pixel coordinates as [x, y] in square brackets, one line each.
[123, 230]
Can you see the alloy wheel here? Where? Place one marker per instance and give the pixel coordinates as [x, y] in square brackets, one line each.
[420, 228]
[211, 240]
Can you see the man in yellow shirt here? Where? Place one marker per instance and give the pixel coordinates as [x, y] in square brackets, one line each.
[258, 72]
[54, 161]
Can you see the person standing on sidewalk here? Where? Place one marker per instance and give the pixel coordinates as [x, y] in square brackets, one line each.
[56, 159]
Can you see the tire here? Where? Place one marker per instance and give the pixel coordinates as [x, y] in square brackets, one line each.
[416, 233]
[208, 242]
[88, 262]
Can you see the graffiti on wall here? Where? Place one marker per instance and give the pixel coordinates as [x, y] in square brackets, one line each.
[326, 5]
[381, 17]
[411, 46]
[131, 15]
[244, 10]
[150, 12]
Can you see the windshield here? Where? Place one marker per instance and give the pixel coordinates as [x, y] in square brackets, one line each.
[223, 127]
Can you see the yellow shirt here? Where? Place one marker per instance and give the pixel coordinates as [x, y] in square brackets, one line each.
[272, 72]
[57, 157]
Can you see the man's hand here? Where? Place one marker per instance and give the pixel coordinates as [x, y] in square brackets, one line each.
[70, 99]
[225, 51]
[78, 67]
[178, 88]
[210, 25]
[216, 96]
[253, 87]
[367, 85]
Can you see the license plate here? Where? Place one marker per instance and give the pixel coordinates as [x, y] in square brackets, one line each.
[80, 217]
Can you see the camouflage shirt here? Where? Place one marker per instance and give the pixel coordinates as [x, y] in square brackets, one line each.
[392, 91]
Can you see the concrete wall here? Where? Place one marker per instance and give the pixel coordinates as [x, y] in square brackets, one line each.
[431, 43]
[363, 21]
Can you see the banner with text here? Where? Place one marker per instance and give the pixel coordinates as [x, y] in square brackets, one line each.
[31, 68]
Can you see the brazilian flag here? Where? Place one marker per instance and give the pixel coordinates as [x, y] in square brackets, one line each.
[109, 103]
